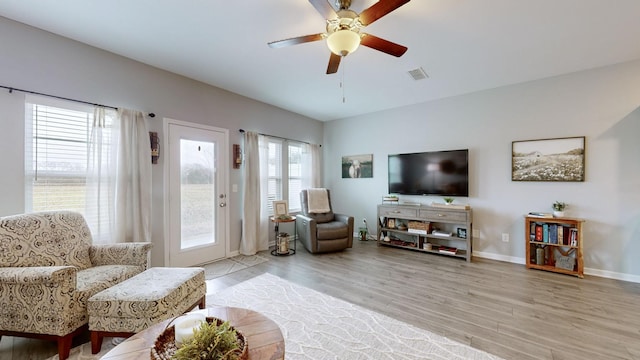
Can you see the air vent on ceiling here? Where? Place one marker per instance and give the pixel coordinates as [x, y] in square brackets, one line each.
[418, 74]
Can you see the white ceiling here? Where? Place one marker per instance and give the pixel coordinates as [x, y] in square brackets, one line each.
[463, 45]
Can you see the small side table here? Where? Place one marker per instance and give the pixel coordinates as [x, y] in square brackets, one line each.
[284, 243]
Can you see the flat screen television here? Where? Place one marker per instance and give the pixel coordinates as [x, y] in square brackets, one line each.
[443, 173]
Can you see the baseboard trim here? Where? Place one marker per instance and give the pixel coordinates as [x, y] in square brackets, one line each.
[612, 275]
[492, 256]
[588, 271]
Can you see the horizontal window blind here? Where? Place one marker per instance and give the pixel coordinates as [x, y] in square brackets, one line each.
[274, 168]
[59, 140]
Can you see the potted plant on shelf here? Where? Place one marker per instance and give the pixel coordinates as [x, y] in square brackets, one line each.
[558, 208]
[448, 200]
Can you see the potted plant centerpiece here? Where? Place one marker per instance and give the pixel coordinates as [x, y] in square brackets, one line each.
[448, 200]
[558, 208]
[213, 340]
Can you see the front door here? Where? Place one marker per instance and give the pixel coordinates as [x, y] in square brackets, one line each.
[197, 209]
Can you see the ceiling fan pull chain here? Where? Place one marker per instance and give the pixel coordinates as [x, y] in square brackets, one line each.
[344, 99]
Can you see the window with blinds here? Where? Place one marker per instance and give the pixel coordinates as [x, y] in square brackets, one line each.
[57, 148]
[274, 168]
[284, 173]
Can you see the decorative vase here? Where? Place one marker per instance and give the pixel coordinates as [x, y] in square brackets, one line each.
[558, 214]
[283, 243]
[539, 256]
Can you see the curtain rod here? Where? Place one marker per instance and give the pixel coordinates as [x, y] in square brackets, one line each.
[283, 138]
[12, 89]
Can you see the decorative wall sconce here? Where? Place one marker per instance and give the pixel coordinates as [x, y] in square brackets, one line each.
[237, 156]
[155, 147]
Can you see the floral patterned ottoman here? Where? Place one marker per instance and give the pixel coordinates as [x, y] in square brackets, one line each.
[146, 299]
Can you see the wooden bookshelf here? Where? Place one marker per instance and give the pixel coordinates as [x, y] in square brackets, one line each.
[554, 244]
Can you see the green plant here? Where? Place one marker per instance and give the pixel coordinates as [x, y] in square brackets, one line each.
[448, 200]
[362, 232]
[211, 341]
[559, 206]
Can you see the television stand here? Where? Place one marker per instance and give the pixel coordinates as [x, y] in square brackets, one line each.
[431, 229]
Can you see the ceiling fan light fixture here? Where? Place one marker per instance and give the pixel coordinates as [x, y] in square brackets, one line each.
[343, 42]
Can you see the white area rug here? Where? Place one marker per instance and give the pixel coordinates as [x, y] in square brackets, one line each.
[318, 326]
[227, 266]
[83, 352]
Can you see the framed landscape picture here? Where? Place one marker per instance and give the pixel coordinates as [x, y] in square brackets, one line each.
[560, 159]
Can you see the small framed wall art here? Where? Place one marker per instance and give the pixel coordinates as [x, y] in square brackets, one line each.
[560, 159]
[357, 166]
[391, 223]
[280, 208]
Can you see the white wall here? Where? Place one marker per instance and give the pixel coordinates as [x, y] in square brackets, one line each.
[35, 60]
[601, 104]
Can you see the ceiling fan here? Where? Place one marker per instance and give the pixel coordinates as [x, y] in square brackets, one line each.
[344, 30]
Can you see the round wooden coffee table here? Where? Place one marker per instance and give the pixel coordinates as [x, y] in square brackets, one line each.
[263, 335]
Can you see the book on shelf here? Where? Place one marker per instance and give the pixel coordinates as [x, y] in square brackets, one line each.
[553, 233]
[532, 231]
[538, 235]
[573, 237]
[447, 250]
[545, 232]
[541, 215]
[417, 231]
[441, 233]
[560, 235]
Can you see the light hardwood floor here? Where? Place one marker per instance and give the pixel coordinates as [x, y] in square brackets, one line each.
[498, 307]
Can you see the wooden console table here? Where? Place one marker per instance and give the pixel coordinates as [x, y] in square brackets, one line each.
[263, 335]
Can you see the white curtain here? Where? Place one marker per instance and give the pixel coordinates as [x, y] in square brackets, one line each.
[101, 175]
[312, 175]
[119, 177]
[254, 236]
[133, 184]
[265, 226]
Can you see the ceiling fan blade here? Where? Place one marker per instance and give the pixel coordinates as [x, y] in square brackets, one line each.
[379, 9]
[383, 45]
[325, 9]
[295, 40]
[334, 63]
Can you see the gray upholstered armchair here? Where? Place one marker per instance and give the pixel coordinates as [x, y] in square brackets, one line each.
[323, 231]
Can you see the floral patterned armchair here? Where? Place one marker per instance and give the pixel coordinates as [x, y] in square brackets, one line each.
[49, 268]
